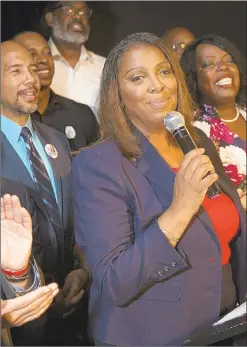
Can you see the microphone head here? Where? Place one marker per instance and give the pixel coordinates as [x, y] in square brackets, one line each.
[173, 120]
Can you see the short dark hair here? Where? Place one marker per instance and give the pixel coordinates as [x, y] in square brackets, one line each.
[188, 65]
[51, 6]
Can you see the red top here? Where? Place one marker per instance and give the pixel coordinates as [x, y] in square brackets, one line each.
[225, 219]
[221, 210]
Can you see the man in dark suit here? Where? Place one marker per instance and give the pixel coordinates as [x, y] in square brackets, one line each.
[20, 312]
[76, 120]
[38, 157]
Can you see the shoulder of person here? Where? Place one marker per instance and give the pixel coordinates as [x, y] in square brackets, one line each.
[69, 103]
[51, 132]
[104, 153]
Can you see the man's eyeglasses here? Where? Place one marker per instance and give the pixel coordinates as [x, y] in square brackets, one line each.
[67, 10]
[179, 47]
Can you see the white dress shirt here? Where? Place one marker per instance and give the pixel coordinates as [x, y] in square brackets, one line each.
[82, 83]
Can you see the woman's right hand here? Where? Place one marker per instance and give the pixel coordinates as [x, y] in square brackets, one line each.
[191, 183]
[190, 188]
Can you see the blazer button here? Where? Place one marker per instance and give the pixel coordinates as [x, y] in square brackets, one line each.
[166, 268]
[173, 263]
[160, 273]
[212, 289]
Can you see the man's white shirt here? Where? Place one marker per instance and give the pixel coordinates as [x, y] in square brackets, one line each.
[82, 83]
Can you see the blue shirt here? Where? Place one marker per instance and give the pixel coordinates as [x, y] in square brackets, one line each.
[12, 131]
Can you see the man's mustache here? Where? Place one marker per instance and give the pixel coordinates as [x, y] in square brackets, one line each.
[76, 21]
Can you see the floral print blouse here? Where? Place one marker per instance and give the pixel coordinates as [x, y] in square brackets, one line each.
[231, 148]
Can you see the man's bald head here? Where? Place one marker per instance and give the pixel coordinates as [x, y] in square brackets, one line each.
[37, 45]
[9, 47]
[19, 80]
[178, 38]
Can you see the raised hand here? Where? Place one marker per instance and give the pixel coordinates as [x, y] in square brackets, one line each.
[16, 234]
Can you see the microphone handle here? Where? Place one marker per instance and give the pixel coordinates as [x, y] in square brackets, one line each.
[187, 144]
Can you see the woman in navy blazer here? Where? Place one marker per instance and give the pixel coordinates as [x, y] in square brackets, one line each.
[155, 258]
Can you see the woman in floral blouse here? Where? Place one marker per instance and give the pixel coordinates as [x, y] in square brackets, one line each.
[215, 74]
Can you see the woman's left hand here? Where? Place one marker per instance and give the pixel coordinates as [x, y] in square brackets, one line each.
[243, 197]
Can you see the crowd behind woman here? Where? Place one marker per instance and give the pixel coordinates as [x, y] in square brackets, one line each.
[165, 260]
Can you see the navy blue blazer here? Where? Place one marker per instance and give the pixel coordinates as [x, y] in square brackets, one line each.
[52, 248]
[143, 291]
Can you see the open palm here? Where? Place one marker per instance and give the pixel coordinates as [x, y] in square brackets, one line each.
[16, 234]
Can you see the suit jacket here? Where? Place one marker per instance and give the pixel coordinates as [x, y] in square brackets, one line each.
[144, 291]
[62, 113]
[52, 248]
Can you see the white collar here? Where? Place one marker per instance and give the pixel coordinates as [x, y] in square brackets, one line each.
[85, 54]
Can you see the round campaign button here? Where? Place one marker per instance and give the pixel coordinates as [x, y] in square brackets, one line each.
[70, 132]
[51, 151]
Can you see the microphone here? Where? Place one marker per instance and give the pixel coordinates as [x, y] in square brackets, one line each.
[175, 124]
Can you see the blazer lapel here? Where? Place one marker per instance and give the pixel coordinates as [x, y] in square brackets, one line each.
[13, 168]
[153, 166]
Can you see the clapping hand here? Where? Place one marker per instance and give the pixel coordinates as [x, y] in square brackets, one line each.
[73, 289]
[28, 307]
[16, 234]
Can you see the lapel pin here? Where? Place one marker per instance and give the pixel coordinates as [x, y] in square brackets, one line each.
[51, 151]
[70, 132]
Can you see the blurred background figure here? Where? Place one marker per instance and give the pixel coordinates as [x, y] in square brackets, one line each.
[75, 120]
[77, 70]
[22, 297]
[177, 39]
[216, 76]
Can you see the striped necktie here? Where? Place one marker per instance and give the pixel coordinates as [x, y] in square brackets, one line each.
[41, 179]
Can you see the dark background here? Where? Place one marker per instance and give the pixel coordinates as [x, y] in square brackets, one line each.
[113, 20]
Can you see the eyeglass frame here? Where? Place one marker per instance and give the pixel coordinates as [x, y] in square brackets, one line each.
[75, 11]
[179, 46]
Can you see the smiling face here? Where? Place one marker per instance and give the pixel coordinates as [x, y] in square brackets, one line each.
[148, 87]
[217, 75]
[70, 22]
[41, 53]
[19, 81]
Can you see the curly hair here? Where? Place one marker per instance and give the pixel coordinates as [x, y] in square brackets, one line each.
[188, 65]
[114, 122]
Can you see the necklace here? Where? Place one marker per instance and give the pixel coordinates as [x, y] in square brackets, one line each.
[232, 120]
